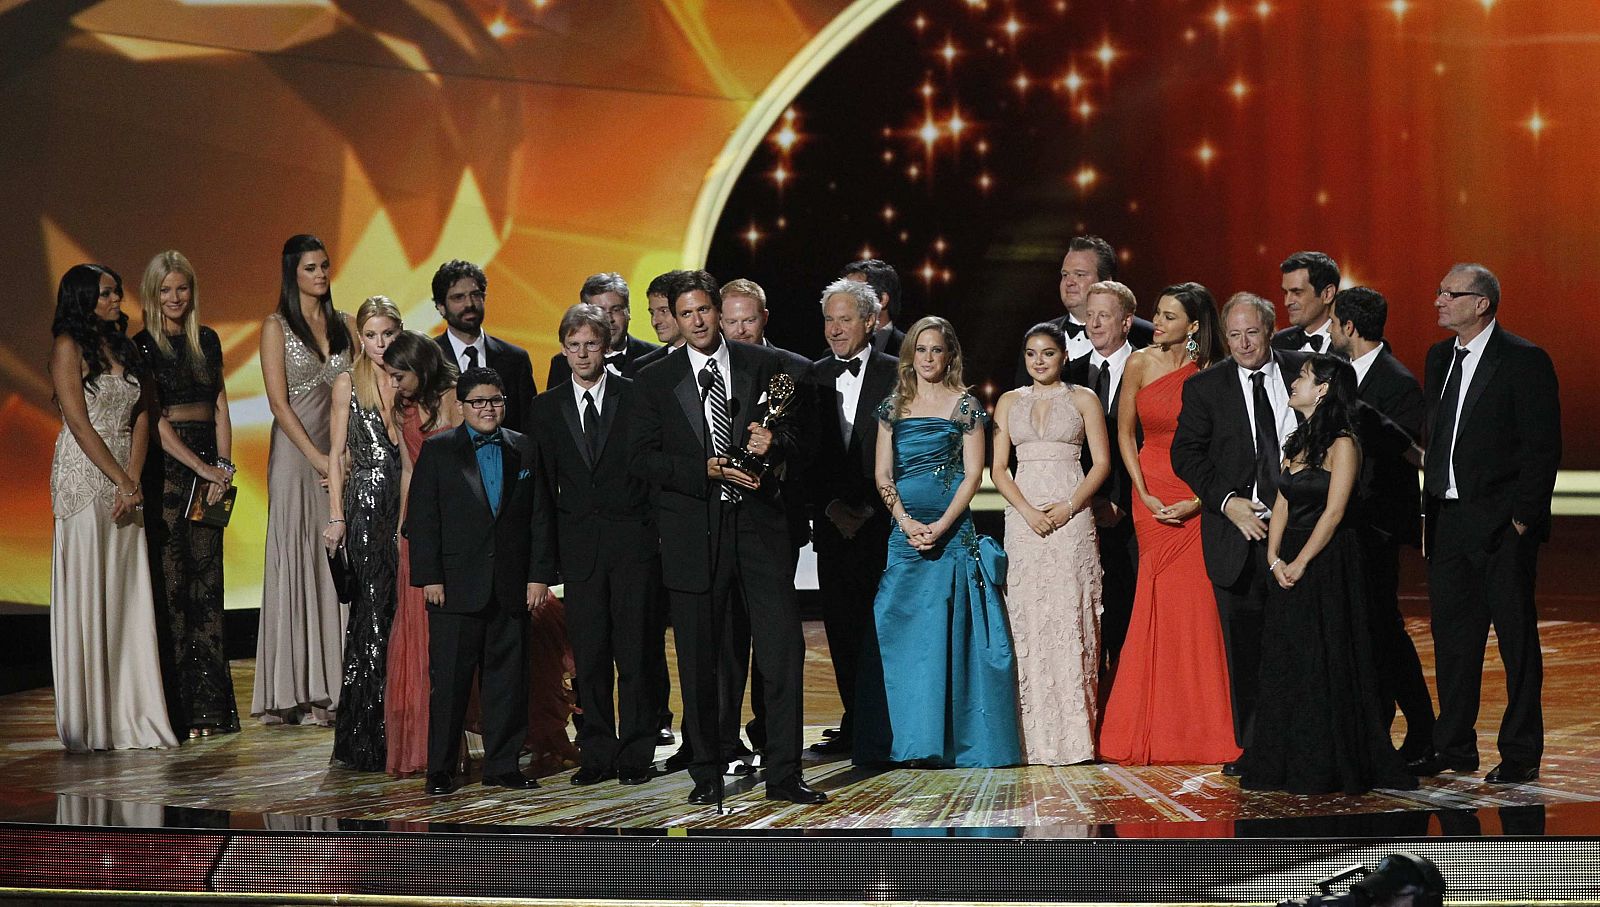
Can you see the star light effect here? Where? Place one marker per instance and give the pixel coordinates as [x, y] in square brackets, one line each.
[1085, 178]
[1012, 28]
[780, 175]
[1105, 53]
[752, 236]
[1221, 17]
[1206, 153]
[948, 52]
[928, 272]
[1021, 81]
[498, 27]
[1238, 89]
[1535, 124]
[929, 133]
[1399, 8]
[1072, 81]
[985, 183]
[1263, 9]
[956, 125]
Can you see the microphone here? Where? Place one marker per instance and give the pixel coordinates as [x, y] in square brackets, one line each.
[705, 385]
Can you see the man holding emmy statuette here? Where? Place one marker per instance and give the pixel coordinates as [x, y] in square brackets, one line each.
[723, 529]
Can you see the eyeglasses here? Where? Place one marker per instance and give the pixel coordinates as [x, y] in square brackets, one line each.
[1455, 294]
[477, 296]
[481, 402]
[591, 346]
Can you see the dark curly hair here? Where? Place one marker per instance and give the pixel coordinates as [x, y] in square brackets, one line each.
[76, 299]
[1333, 417]
[289, 300]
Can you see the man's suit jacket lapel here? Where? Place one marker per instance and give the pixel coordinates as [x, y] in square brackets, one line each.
[510, 466]
[1492, 353]
[868, 399]
[468, 457]
[615, 392]
[687, 390]
[743, 390]
[1233, 399]
[571, 416]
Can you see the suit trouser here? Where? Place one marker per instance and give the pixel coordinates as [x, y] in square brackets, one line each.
[1479, 578]
[1400, 680]
[745, 561]
[1241, 605]
[494, 639]
[848, 572]
[1119, 562]
[611, 616]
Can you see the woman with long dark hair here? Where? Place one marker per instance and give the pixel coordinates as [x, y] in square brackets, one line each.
[196, 438]
[938, 677]
[305, 345]
[364, 482]
[424, 384]
[1169, 696]
[1318, 724]
[104, 656]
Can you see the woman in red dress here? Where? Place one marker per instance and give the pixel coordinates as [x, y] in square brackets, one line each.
[1169, 696]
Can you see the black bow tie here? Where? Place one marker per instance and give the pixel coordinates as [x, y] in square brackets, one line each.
[1072, 328]
[1316, 341]
[616, 355]
[482, 440]
[853, 366]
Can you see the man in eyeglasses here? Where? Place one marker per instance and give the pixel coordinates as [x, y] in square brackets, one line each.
[1494, 444]
[460, 292]
[610, 292]
[475, 494]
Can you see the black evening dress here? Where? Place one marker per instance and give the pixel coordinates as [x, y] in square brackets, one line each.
[372, 521]
[1318, 725]
[186, 557]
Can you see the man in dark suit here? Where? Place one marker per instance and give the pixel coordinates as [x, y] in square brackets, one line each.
[1309, 281]
[885, 281]
[1494, 445]
[460, 293]
[722, 530]
[602, 533]
[852, 528]
[610, 292]
[475, 495]
[661, 318]
[1108, 316]
[1387, 507]
[1088, 261]
[1228, 448]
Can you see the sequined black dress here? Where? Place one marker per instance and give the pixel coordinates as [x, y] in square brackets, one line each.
[186, 557]
[372, 519]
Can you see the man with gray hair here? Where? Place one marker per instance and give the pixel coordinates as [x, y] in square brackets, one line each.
[850, 526]
[1227, 448]
[610, 292]
[1494, 445]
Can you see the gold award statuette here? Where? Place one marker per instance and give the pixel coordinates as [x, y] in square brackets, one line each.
[780, 394]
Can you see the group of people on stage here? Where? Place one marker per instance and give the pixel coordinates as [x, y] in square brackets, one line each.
[1200, 558]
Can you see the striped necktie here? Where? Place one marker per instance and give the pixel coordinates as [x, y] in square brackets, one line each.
[721, 422]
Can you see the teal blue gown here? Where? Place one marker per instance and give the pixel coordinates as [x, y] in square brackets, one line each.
[937, 677]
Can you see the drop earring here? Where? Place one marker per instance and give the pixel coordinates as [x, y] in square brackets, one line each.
[1191, 347]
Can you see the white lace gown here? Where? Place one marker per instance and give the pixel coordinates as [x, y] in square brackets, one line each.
[1053, 585]
[102, 606]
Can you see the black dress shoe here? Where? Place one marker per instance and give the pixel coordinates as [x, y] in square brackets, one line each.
[1512, 773]
[1231, 769]
[592, 774]
[795, 790]
[440, 783]
[831, 732]
[837, 745]
[631, 776]
[678, 761]
[511, 780]
[1433, 764]
[664, 737]
[706, 792]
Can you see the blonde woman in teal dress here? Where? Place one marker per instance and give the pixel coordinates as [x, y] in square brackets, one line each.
[938, 685]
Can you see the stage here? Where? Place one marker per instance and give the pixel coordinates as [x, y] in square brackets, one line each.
[254, 799]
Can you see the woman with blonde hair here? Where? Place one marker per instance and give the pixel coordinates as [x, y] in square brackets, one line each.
[937, 675]
[367, 470]
[196, 437]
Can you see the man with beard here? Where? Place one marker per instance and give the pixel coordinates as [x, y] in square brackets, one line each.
[460, 292]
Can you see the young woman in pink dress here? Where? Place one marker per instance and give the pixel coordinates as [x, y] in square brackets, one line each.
[1169, 698]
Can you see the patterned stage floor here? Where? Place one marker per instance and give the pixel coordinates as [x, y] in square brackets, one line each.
[280, 778]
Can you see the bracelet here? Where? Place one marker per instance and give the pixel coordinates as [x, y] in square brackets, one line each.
[331, 522]
[1276, 562]
[128, 494]
[226, 464]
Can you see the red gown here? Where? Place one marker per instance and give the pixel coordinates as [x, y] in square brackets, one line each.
[1170, 697]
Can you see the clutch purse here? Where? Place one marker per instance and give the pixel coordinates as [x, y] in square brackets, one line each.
[344, 579]
[992, 561]
[205, 514]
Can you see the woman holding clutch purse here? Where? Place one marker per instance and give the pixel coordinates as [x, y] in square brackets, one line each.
[196, 440]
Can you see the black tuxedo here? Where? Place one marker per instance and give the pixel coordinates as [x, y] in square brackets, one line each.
[1214, 453]
[484, 561]
[848, 570]
[632, 352]
[1387, 512]
[603, 533]
[515, 369]
[888, 341]
[1139, 335]
[1506, 450]
[1119, 550]
[712, 549]
[1294, 337]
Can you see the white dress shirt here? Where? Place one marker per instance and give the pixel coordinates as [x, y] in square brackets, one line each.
[1326, 333]
[1118, 361]
[1469, 367]
[1079, 344]
[598, 392]
[848, 388]
[1363, 364]
[697, 362]
[1282, 416]
[461, 350]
